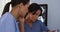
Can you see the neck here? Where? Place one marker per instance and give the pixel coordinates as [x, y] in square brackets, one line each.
[14, 13]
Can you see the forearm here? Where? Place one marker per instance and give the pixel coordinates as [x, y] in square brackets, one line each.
[21, 27]
[21, 24]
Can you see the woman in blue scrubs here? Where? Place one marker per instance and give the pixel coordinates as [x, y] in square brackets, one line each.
[31, 22]
[8, 20]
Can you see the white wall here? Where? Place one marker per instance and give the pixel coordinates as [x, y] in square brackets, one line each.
[53, 12]
[2, 4]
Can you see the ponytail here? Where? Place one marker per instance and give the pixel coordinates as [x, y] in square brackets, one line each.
[6, 8]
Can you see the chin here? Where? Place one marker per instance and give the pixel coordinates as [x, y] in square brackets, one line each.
[33, 20]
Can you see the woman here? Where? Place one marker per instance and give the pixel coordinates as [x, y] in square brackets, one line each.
[31, 22]
[8, 20]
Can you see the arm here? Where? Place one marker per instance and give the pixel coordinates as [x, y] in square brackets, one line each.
[21, 24]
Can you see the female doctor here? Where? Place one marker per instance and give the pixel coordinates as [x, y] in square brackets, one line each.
[8, 20]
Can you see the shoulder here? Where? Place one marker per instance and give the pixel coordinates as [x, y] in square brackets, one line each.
[6, 17]
[41, 23]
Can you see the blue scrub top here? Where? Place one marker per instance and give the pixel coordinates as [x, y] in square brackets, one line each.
[8, 23]
[37, 26]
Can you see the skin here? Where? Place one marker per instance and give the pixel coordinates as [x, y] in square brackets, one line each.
[18, 13]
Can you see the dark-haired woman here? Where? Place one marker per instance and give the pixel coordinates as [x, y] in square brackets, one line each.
[8, 20]
[32, 24]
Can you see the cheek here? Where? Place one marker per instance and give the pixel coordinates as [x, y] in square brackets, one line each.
[33, 18]
[26, 9]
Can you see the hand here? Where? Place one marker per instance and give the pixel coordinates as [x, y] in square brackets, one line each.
[21, 19]
[21, 26]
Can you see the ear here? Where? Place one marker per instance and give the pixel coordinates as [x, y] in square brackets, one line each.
[21, 4]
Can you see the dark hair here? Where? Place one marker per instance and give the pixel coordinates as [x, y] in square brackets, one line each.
[34, 7]
[14, 3]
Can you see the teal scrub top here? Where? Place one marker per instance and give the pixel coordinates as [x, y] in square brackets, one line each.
[8, 23]
[37, 26]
